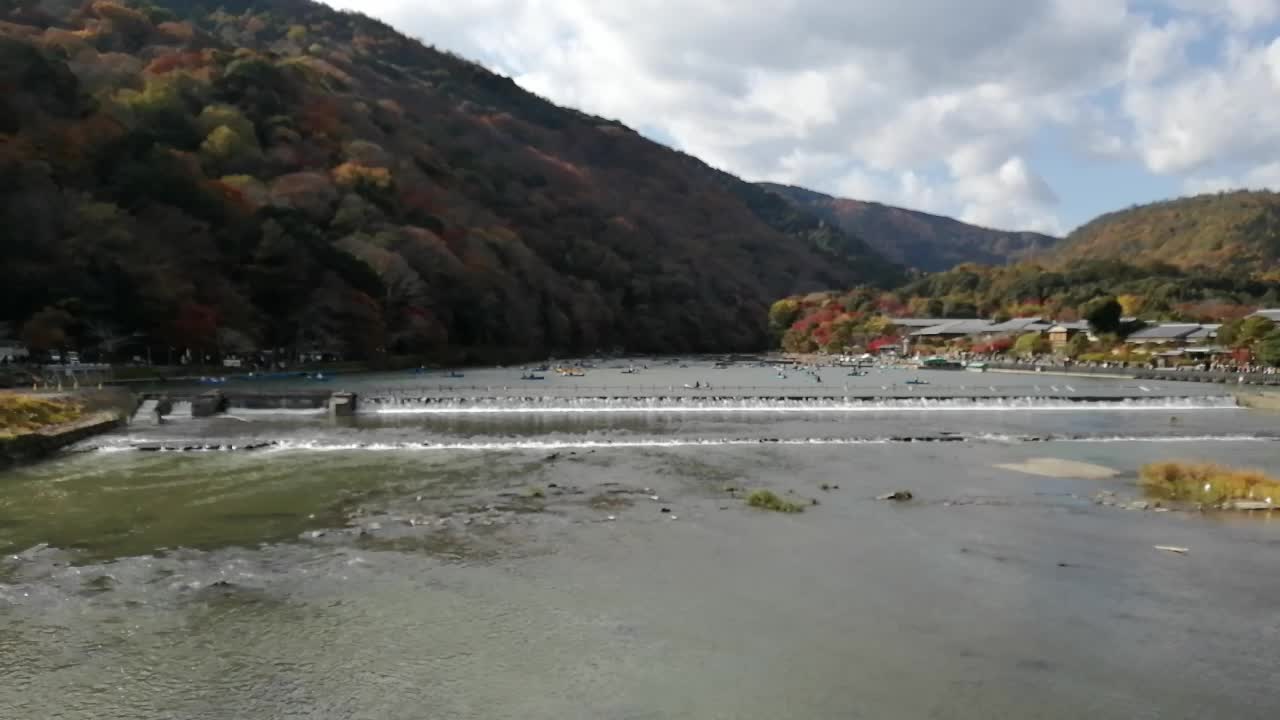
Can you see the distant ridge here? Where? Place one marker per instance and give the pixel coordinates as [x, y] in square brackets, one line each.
[1239, 230]
[918, 239]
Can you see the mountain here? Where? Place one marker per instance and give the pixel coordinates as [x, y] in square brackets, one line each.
[916, 239]
[1236, 230]
[278, 174]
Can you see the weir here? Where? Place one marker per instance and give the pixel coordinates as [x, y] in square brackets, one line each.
[422, 400]
[249, 400]
[826, 404]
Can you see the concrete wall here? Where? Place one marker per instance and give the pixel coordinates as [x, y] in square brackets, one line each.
[41, 444]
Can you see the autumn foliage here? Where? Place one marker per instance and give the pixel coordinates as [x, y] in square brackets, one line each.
[291, 177]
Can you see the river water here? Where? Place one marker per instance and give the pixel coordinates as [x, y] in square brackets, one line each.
[443, 556]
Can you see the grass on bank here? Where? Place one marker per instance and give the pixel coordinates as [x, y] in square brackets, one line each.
[1208, 483]
[768, 500]
[21, 413]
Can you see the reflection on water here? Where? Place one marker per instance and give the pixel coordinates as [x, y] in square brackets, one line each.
[604, 565]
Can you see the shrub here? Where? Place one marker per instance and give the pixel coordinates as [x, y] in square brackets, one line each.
[768, 500]
[1208, 483]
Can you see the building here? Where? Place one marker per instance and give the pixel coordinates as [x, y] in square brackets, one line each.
[1061, 334]
[12, 351]
[1273, 314]
[952, 329]
[1205, 335]
[1176, 334]
[974, 327]
[919, 323]
[1016, 326]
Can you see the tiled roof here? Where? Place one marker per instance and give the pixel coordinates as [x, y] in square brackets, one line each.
[1165, 332]
[1205, 332]
[1015, 325]
[1080, 325]
[921, 322]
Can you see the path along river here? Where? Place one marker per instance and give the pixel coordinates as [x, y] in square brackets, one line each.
[508, 559]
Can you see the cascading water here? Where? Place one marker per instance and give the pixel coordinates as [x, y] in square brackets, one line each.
[146, 413]
[551, 404]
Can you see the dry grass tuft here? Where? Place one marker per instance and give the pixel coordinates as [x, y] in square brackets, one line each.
[768, 500]
[1208, 483]
[21, 413]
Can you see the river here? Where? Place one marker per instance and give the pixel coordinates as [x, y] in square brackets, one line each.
[551, 551]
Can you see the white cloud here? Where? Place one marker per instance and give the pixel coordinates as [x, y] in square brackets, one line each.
[1242, 14]
[1227, 113]
[1158, 51]
[918, 102]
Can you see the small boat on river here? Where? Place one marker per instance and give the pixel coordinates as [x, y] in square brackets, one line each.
[939, 363]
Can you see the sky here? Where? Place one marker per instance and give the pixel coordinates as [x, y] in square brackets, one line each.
[1014, 114]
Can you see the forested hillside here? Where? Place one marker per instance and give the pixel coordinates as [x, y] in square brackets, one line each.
[917, 239]
[276, 174]
[1238, 230]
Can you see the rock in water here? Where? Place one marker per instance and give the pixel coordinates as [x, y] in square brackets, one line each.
[898, 496]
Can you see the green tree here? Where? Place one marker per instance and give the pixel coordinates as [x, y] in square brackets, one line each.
[1103, 315]
[1032, 343]
[782, 314]
[215, 116]
[1245, 332]
[228, 149]
[1229, 333]
[1268, 349]
[1077, 346]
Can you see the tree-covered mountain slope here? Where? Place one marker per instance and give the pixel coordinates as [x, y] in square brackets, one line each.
[276, 174]
[917, 239]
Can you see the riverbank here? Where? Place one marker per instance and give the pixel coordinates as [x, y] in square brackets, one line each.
[33, 427]
[1262, 400]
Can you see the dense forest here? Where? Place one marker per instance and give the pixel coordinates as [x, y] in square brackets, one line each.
[1237, 230]
[863, 315]
[247, 174]
[916, 239]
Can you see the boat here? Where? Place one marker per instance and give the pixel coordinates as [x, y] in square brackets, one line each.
[976, 367]
[939, 363]
[856, 373]
[531, 376]
[917, 381]
[319, 377]
[629, 371]
[212, 380]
